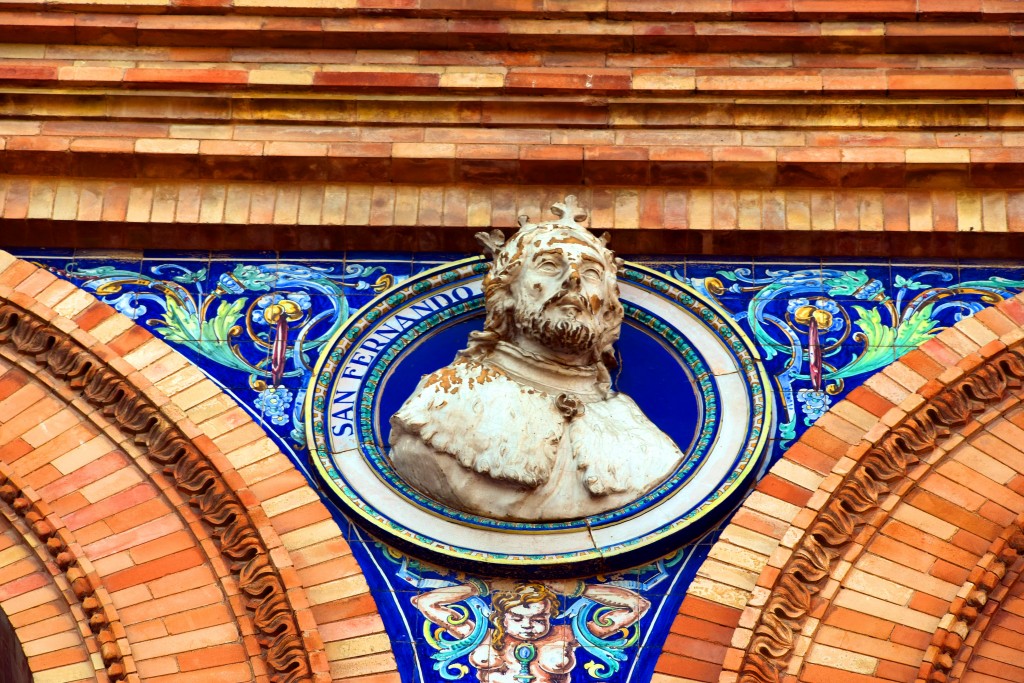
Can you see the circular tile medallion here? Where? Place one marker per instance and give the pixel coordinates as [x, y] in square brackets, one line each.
[683, 360]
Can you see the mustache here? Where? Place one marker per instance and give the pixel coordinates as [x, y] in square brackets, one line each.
[566, 299]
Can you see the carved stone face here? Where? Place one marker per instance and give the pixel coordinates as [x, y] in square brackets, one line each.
[563, 298]
[528, 622]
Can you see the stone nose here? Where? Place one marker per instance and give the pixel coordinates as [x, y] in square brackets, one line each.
[572, 279]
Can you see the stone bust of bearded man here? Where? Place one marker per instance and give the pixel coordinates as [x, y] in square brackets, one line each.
[524, 424]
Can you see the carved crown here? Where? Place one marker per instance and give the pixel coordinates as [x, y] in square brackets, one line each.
[570, 216]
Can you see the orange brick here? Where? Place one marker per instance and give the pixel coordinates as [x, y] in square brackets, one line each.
[16, 273]
[929, 544]
[825, 443]
[700, 628]
[14, 449]
[814, 673]
[686, 667]
[760, 523]
[953, 492]
[343, 609]
[195, 598]
[128, 341]
[212, 656]
[92, 316]
[145, 511]
[784, 490]
[952, 513]
[11, 381]
[950, 80]
[894, 671]
[47, 627]
[146, 630]
[194, 619]
[905, 635]
[859, 622]
[870, 401]
[698, 649]
[38, 614]
[315, 554]
[298, 518]
[330, 570]
[352, 628]
[149, 571]
[710, 611]
[950, 573]
[22, 585]
[194, 76]
[65, 505]
[108, 508]
[929, 604]
[161, 547]
[63, 657]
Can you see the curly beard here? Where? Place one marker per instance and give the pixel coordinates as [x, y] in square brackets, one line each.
[564, 334]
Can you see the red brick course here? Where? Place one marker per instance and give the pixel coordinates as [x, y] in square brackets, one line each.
[730, 115]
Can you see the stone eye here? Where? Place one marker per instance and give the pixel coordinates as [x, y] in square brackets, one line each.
[548, 267]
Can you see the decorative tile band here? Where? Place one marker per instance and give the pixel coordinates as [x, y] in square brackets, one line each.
[864, 312]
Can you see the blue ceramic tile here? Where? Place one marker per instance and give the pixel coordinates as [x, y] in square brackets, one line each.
[172, 256]
[254, 256]
[432, 259]
[242, 277]
[379, 257]
[42, 253]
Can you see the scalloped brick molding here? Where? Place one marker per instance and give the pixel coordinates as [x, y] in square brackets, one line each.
[265, 531]
[775, 574]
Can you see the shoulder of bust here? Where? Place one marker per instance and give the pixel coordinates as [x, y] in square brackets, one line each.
[462, 372]
[515, 429]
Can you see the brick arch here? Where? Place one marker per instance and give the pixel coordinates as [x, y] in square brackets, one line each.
[12, 655]
[181, 540]
[844, 560]
[984, 619]
[41, 608]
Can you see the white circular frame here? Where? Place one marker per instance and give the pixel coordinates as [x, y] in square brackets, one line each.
[733, 457]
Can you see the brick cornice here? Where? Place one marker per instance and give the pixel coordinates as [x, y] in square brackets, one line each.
[690, 157]
[648, 10]
[145, 214]
[565, 31]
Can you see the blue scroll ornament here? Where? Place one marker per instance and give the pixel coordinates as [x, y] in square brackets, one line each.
[859, 338]
[266, 320]
[609, 653]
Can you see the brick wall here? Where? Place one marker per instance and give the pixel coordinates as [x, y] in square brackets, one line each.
[714, 126]
[887, 540]
[698, 126]
[155, 531]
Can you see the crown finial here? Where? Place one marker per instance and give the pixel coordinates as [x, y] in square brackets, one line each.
[569, 215]
[569, 211]
[490, 241]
